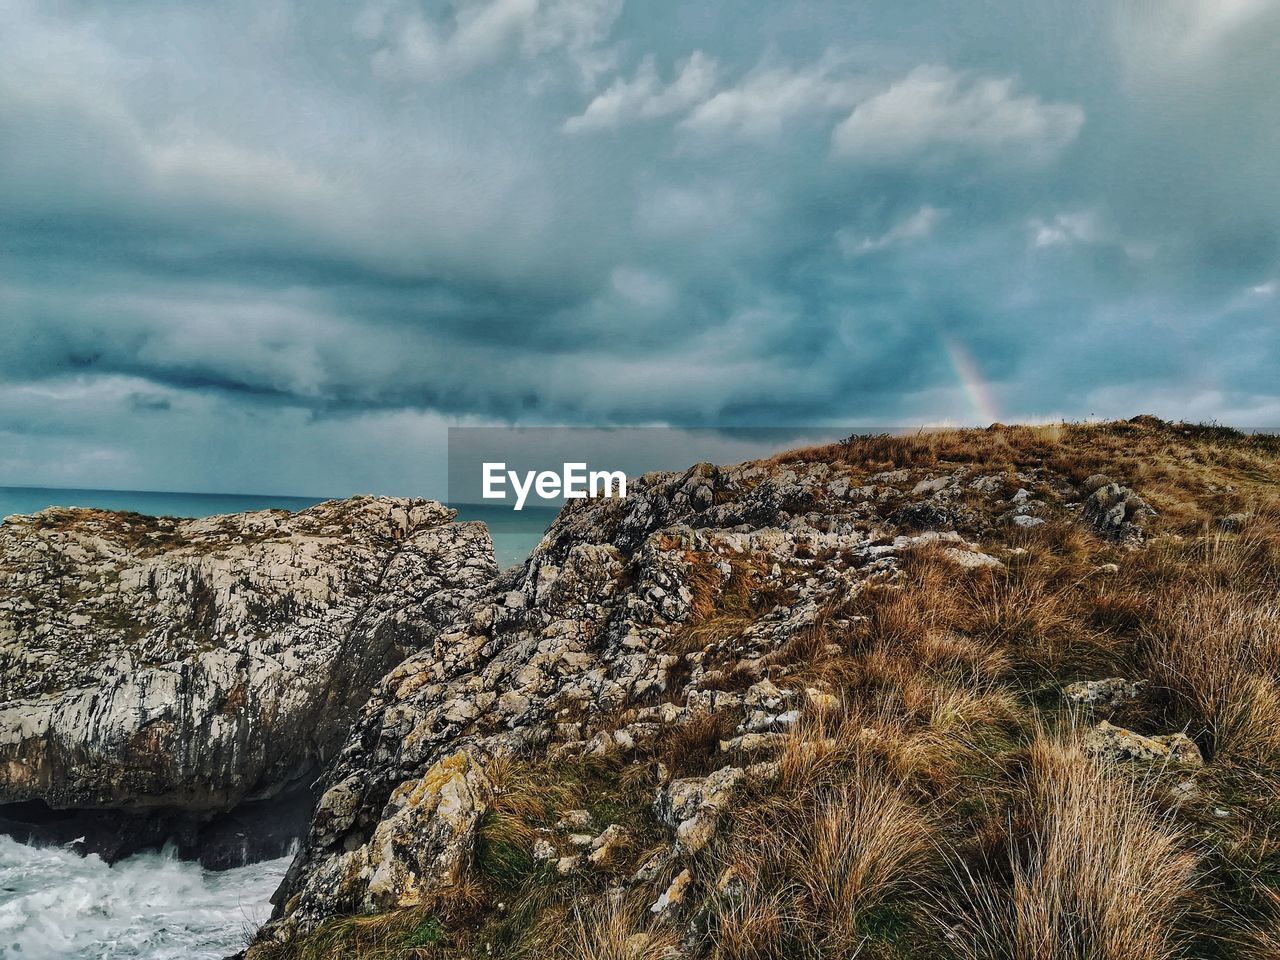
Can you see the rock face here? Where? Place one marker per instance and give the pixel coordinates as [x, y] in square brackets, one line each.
[1115, 511]
[614, 631]
[169, 670]
[741, 705]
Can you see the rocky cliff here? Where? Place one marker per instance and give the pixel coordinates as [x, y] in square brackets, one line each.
[858, 700]
[157, 673]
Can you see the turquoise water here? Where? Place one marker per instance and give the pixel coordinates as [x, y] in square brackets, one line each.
[514, 533]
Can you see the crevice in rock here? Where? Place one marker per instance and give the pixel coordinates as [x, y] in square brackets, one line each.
[252, 831]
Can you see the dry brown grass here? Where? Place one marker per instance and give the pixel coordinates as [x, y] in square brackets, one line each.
[520, 799]
[1191, 474]
[723, 607]
[1263, 942]
[1216, 650]
[616, 931]
[934, 680]
[693, 747]
[944, 679]
[818, 865]
[1095, 870]
[1040, 614]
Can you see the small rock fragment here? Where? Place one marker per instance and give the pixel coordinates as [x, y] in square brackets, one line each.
[1116, 743]
[674, 895]
[1111, 693]
[972, 559]
[1233, 522]
[568, 865]
[544, 849]
[574, 820]
[607, 845]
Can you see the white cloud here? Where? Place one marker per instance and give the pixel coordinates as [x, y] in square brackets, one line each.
[765, 99]
[484, 32]
[1267, 289]
[1073, 227]
[682, 210]
[935, 108]
[645, 96]
[915, 227]
[642, 288]
[1065, 228]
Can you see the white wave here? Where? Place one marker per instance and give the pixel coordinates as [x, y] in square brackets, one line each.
[56, 905]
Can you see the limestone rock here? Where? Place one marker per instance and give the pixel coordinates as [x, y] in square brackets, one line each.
[1109, 694]
[605, 847]
[174, 668]
[675, 893]
[1116, 512]
[972, 559]
[694, 804]
[569, 864]
[1116, 743]
[574, 820]
[418, 848]
[611, 634]
[424, 837]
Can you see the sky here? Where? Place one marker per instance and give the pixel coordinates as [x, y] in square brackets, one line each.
[279, 246]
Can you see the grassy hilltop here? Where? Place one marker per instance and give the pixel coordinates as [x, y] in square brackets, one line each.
[1047, 738]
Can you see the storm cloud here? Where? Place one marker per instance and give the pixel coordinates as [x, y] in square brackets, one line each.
[279, 246]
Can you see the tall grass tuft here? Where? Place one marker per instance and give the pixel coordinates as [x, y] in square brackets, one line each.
[1216, 650]
[1094, 871]
[823, 869]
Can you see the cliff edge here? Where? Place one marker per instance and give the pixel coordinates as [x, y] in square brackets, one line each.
[158, 674]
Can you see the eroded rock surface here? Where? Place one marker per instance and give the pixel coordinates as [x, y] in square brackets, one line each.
[613, 633]
[1115, 511]
[174, 669]
[1109, 694]
[1117, 743]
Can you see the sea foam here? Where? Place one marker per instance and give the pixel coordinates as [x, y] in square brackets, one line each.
[57, 905]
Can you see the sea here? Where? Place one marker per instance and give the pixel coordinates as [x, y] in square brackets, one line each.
[58, 905]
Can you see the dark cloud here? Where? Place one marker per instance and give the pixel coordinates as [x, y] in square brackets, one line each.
[328, 230]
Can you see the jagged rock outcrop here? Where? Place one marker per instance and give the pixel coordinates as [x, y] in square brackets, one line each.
[612, 633]
[1115, 511]
[171, 670]
[747, 709]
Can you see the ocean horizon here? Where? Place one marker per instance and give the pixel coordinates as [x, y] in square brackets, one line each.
[514, 534]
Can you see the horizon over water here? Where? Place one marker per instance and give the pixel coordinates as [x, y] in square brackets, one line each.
[514, 534]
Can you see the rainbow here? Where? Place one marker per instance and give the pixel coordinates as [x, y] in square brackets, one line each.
[979, 392]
